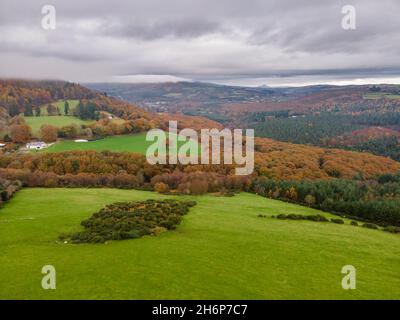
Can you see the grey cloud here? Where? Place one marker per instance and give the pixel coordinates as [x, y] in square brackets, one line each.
[200, 38]
[150, 30]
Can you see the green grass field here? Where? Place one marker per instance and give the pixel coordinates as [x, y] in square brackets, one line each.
[60, 104]
[378, 95]
[221, 250]
[124, 143]
[58, 121]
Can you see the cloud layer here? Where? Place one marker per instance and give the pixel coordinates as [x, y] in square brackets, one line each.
[101, 40]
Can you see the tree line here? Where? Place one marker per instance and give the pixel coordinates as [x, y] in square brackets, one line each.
[370, 199]
[373, 200]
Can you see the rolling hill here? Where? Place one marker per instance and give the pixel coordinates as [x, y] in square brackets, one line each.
[58, 121]
[273, 159]
[222, 250]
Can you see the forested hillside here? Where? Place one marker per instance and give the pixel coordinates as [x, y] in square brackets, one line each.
[319, 115]
[274, 159]
[23, 103]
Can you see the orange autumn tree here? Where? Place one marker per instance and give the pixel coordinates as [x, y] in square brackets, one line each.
[48, 133]
[20, 133]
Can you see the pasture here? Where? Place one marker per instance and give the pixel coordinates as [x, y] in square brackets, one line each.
[122, 143]
[221, 250]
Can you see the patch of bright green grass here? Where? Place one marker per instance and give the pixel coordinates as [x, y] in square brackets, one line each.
[221, 250]
[60, 104]
[58, 121]
[123, 143]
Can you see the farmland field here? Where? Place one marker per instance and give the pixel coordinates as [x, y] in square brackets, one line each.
[58, 121]
[123, 143]
[221, 250]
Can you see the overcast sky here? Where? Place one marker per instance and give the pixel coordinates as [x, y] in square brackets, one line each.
[246, 42]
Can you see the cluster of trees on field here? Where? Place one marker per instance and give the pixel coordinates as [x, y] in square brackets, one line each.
[376, 201]
[129, 220]
[86, 111]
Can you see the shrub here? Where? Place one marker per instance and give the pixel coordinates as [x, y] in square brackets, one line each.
[317, 218]
[228, 194]
[293, 216]
[161, 187]
[190, 203]
[392, 229]
[48, 133]
[338, 221]
[309, 199]
[323, 219]
[370, 225]
[354, 223]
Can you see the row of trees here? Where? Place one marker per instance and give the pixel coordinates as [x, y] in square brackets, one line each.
[52, 180]
[377, 201]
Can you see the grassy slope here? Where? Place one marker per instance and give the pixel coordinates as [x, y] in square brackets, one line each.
[60, 104]
[125, 143]
[221, 250]
[132, 143]
[58, 121]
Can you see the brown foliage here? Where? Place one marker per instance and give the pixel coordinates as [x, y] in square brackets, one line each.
[161, 187]
[286, 161]
[48, 133]
[20, 133]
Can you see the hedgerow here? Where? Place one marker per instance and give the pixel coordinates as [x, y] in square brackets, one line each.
[292, 216]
